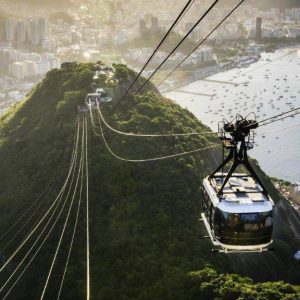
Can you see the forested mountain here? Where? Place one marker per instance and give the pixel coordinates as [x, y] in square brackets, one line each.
[146, 239]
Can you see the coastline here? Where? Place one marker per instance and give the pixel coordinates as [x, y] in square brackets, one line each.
[211, 108]
[219, 68]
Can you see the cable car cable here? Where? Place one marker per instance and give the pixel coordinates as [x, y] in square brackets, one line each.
[74, 228]
[43, 203]
[87, 217]
[243, 74]
[247, 72]
[190, 53]
[179, 17]
[46, 214]
[278, 130]
[219, 24]
[279, 115]
[40, 196]
[47, 190]
[35, 242]
[269, 62]
[146, 135]
[193, 133]
[178, 45]
[66, 219]
[149, 159]
[282, 118]
[73, 167]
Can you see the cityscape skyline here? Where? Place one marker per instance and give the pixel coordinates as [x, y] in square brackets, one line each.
[112, 31]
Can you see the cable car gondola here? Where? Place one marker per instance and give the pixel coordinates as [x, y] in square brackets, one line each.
[101, 95]
[92, 99]
[237, 210]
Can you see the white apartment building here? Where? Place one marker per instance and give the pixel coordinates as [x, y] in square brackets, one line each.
[43, 67]
[16, 69]
[30, 68]
[295, 193]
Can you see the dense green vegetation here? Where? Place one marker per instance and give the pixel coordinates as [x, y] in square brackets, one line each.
[281, 181]
[209, 284]
[145, 234]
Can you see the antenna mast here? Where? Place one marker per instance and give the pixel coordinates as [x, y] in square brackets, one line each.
[237, 136]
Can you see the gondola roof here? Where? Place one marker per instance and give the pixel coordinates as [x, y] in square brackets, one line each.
[241, 194]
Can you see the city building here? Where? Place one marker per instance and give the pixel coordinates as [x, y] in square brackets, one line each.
[279, 33]
[267, 33]
[21, 34]
[30, 68]
[42, 29]
[50, 44]
[154, 24]
[2, 29]
[258, 28]
[204, 55]
[4, 58]
[15, 95]
[294, 32]
[293, 14]
[43, 67]
[295, 193]
[33, 32]
[143, 27]
[10, 30]
[16, 69]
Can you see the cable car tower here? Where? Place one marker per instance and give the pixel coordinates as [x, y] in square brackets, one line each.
[237, 208]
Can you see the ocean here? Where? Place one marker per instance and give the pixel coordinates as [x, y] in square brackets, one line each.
[267, 88]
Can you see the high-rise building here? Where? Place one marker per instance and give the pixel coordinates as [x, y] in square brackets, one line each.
[16, 69]
[112, 9]
[143, 27]
[33, 32]
[2, 29]
[148, 18]
[259, 28]
[295, 193]
[10, 30]
[30, 68]
[42, 28]
[43, 67]
[4, 57]
[154, 24]
[21, 34]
